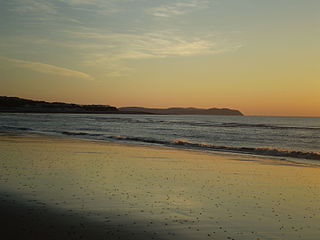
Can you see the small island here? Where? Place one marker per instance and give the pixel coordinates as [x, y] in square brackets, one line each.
[21, 105]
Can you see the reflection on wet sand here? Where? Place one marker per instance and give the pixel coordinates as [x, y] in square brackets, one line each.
[102, 190]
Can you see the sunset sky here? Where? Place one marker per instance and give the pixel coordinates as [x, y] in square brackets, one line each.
[261, 57]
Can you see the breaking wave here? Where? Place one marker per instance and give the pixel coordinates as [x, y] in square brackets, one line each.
[294, 137]
[252, 150]
[80, 134]
[206, 146]
[10, 128]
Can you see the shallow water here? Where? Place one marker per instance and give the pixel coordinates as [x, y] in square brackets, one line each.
[297, 137]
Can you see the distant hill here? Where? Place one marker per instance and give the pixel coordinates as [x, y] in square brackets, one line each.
[15, 104]
[183, 111]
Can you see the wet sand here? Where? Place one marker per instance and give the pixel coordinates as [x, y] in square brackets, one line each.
[32, 219]
[54, 188]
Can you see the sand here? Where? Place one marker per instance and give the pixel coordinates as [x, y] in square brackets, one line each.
[56, 188]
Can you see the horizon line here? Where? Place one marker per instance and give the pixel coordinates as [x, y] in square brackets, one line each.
[230, 108]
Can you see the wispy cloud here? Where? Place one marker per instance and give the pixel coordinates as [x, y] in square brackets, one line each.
[47, 68]
[103, 7]
[114, 45]
[157, 44]
[40, 11]
[34, 6]
[48, 10]
[177, 8]
[113, 51]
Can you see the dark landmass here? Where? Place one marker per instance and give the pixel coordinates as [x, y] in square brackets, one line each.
[15, 104]
[20, 105]
[184, 111]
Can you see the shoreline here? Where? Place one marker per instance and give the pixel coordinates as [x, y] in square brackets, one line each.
[300, 160]
[152, 192]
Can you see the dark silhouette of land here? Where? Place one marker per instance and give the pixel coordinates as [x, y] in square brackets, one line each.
[15, 104]
[184, 111]
[20, 105]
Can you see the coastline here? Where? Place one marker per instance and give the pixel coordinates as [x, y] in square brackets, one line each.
[272, 137]
[152, 192]
[19, 105]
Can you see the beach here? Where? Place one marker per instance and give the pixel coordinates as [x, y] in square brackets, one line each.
[64, 188]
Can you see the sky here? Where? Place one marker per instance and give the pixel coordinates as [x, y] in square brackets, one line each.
[261, 57]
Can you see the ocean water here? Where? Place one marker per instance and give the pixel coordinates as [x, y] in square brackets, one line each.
[286, 137]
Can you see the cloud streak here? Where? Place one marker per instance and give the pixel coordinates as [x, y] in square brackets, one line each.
[116, 40]
[113, 51]
[177, 8]
[103, 7]
[157, 44]
[33, 6]
[48, 69]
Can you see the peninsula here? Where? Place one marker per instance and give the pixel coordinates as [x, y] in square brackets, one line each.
[21, 105]
[183, 111]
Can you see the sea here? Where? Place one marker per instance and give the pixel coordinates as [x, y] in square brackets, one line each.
[282, 137]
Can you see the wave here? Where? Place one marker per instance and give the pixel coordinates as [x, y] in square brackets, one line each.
[10, 128]
[123, 120]
[201, 123]
[80, 134]
[206, 146]
[268, 126]
[252, 150]
[140, 139]
[267, 151]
